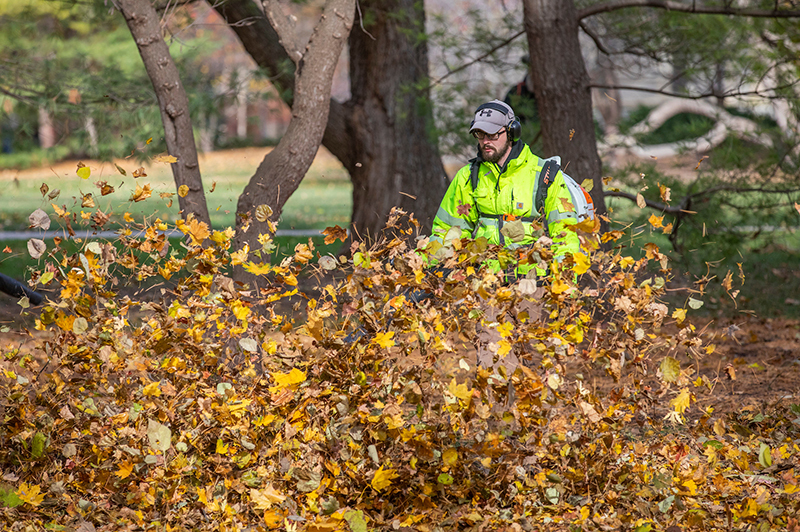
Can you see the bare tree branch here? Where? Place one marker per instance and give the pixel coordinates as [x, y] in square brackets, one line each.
[596, 38]
[661, 207]
[693, 96]
[478, 59]
[280, 23]
[670, 5]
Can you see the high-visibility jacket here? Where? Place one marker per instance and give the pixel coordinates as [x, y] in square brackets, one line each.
[507, 195]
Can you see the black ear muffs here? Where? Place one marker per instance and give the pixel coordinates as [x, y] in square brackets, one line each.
[514, 127]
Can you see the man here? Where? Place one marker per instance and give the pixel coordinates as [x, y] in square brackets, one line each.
[512, 197]
[507, 194]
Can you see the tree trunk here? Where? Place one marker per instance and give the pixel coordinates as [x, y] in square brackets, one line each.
[561, 86]
[47, 133]
[396, 159]
[281, 171]
[143, 22]
[382, 136]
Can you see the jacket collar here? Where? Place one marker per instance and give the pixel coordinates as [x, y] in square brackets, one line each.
[516, 151]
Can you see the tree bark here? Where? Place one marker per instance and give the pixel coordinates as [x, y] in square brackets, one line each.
[396, 158]
[144, 25]
[281, 171]
[382, 135]
[561, 86]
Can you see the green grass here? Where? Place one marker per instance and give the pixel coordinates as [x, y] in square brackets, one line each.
[324, 197]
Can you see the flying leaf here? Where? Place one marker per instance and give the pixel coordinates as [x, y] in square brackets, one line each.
[105, 188]
[695, 303]
[125, 469]
[764, 455]
[83, 171]
[665, 192]
[682, 401]
[183, 190]
[152, 390]
[80, 325]
[39, 219]
[332, 234]
[383, 478]
[44, 189]
[139, 172]
[679, 314]
[248, 344]
[158, 435]
[656, 221]
[355, 519]
[327, 262]
[640, 201]
[587, 185]
[582, 263]
[670, 369]
[384, 340]
[36, 247]
[264, 499]
[30, 494]
[258, 269]
[141, 193]
[450, 457]
[263, 213]
[166, 159]
[87, 201]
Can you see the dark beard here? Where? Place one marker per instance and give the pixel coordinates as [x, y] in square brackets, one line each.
[496, 156]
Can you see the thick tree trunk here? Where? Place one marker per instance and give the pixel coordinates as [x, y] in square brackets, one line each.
[143, 22]
[382, 136]
[396, 158]
[281, 171]
[561, 86]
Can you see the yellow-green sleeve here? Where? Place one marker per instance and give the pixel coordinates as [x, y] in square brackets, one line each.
[457, 208]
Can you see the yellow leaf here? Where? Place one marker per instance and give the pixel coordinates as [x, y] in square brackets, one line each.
[167, 159]
[505, 329]
[128, 218]
[83, 171]
[264, 499]
[503, 348]
[257, 269]
[558, 286]
[240, 310]
[285, 380]
[183, 190]
[582, 263]
[384, 339]
[383, 478]
[125, 469]
[625, 262]
[587, 185]
[141, 193]
[450, 457]
[195, 229]
[460, 390]
[29, 493]
[679, 314]
[222, 447]
[152, 389]
[682, 401]
[656, 221]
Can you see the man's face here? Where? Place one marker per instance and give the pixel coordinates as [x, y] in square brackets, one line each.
[493, 151]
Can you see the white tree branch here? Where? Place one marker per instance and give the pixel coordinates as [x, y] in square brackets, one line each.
[671, 5]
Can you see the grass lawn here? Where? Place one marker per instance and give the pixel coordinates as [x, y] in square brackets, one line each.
[324, 197]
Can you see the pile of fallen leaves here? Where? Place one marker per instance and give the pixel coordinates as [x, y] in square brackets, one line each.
[359, 406]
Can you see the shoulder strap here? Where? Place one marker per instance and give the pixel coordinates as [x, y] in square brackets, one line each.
[546, 177]
[474, 169]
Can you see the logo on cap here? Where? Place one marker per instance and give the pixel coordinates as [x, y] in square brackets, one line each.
[485, 112]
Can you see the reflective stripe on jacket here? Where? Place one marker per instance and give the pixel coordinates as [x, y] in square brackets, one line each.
[501, 192]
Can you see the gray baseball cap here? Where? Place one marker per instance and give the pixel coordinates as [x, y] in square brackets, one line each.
[491, 117]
